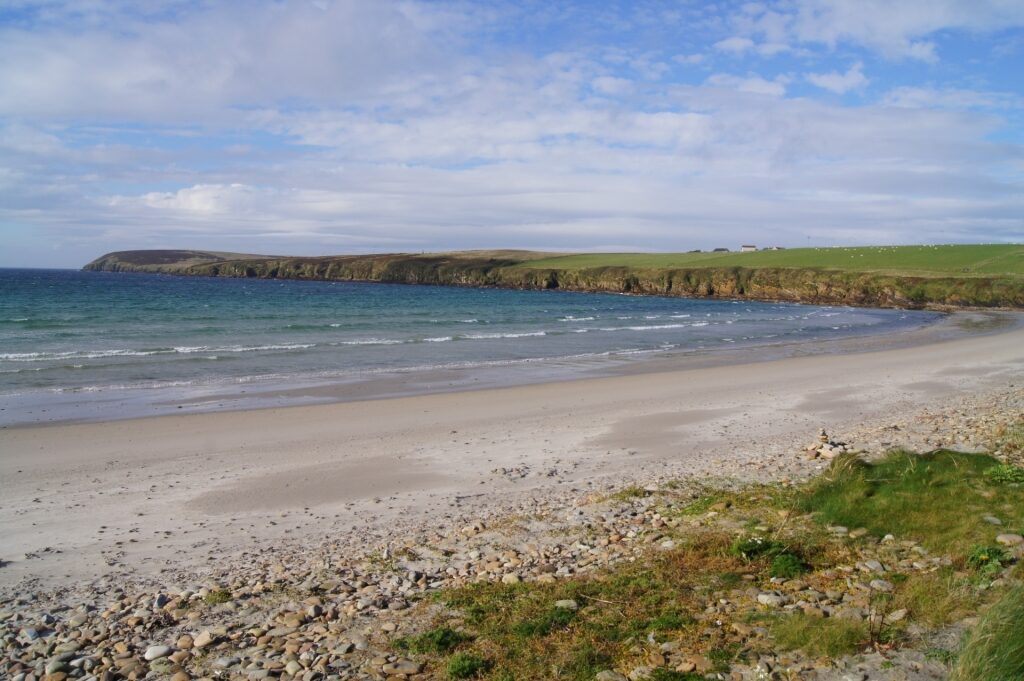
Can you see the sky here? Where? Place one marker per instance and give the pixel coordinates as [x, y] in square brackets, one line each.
[313, 127]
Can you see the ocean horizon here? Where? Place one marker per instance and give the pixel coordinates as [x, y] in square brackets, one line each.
[88, 345]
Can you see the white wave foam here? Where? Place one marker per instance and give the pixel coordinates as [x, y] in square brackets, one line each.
[647, 327]
[182, 350]
[485, 336]
[188, 350]
[372, 341]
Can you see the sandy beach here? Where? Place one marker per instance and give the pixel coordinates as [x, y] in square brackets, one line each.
[137, 498]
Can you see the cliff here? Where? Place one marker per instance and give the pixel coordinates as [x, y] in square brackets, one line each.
[521, 270]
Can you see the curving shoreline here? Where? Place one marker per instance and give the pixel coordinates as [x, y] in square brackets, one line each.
[231, 543]
[203, 477]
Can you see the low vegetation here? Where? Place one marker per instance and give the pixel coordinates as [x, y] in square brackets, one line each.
[903, 276]
[730, 547]
[941, 499]
[931, 261]
[995, 649]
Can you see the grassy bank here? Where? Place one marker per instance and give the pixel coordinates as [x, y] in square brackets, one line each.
[865, 557]
[910, 276]
[926, 261]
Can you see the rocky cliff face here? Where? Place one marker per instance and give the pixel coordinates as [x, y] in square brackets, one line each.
[787, 284]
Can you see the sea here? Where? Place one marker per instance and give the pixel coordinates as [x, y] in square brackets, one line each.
[97, 345]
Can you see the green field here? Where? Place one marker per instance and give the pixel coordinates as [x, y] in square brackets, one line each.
[959, 260]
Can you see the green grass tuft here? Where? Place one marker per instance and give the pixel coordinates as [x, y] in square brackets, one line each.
[1006, 474]
[987, 560]
[994, 651]
[436, 641]
[466, 666]
[662, 674]
[938, 499]
[556, 618]
[751, 548]
[819, 637]
[787, 565]
[217, 597]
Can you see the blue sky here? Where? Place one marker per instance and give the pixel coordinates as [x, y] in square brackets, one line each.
[350, 126]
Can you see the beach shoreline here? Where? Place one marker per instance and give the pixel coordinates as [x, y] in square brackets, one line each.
[269, 392]
[142, 498]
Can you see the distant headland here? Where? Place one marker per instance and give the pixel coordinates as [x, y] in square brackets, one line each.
[950, 276]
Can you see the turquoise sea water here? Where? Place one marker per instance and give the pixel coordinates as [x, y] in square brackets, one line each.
[99, 345]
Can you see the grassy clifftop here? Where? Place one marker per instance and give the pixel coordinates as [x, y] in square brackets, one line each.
[906, 276]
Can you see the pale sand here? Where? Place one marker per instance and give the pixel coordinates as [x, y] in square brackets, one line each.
[171, 493]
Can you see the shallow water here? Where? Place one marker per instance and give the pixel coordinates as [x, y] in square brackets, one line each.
[136, 339]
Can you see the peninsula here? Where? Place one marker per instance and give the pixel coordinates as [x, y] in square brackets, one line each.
[980, 275]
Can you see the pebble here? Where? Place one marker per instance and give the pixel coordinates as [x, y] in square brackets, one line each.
[156, 652]
[202, 640]
[771, 599]
[318, 614]
[609, 675]
[402, 667]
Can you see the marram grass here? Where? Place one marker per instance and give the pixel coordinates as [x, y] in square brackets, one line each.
[994, 651]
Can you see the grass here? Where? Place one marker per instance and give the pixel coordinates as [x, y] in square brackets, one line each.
[938, 499]
[466, 666]
[938, 598]
[787, 565]
[521, 631]
[1006, 474]
[959, 260]
[819, 637]
[436, 641]
[217, 596]
[994, 651]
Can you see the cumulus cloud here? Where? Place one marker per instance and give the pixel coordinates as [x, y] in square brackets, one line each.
[840, 83]
[361, 125]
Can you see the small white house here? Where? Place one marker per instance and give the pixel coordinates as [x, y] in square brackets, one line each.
[747, 248]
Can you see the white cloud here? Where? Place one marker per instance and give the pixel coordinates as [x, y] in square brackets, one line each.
[840, 83]
[950, 98]
[752, 84]
[222, 56]
[899, 30]
[175, 134]
[735, 44]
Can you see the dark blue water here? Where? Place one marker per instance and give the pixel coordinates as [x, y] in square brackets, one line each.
[65, 332]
